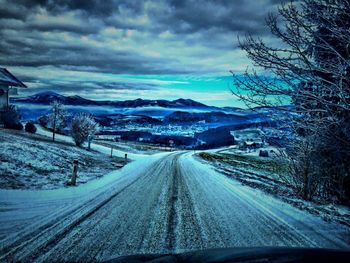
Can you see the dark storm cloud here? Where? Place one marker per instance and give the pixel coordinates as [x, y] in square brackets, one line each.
[131, 36]
[182, 16]
[100, 8]
[79, 57]
[83, 86]
[79, 29]
[193, 16]
[12, 13]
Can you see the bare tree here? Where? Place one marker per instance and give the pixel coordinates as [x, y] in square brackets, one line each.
[300, 161]
[83, 128]
[57, 117]
[310, 68]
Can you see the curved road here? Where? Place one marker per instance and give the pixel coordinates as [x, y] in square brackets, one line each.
[175, 204]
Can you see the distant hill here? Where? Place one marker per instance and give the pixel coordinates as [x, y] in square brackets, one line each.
[208, 117]
[122, 119]
[178, 118]
[48, 97]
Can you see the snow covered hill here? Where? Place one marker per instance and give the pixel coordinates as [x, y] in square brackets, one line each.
[32, 161]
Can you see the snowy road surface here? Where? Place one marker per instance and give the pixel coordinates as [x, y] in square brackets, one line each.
[171, 203]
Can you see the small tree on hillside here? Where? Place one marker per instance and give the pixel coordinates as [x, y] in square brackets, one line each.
[57, 118]
[83, 127]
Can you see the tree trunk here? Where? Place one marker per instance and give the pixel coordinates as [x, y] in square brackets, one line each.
[306, 186]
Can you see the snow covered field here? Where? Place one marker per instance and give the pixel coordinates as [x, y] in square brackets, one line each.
[94, 146]
[31, 161]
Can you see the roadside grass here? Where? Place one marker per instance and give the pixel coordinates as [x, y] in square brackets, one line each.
[265, 165]
[266, 174]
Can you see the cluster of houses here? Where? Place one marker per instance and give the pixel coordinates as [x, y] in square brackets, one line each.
[249, 139]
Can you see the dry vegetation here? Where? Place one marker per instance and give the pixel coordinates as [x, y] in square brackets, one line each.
[247, 162]
[268, 175]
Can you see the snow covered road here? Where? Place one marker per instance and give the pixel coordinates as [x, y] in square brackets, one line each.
[172, 204]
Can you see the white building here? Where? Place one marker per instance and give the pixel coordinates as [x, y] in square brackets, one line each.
[250, 138]
[8, 86]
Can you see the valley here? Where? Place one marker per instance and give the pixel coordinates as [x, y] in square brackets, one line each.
[182, 123]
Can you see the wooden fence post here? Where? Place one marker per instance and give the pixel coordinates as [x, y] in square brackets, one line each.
[126, 158]
[75, 172]
[89, 142]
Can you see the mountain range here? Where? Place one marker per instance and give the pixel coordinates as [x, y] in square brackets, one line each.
[48, 97]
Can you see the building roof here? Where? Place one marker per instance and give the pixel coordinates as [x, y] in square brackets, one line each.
[7, 79]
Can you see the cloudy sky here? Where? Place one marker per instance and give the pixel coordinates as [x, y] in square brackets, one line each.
[118, 50]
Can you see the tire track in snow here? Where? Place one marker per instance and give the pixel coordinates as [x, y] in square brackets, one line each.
[173, 209]
[191, 234]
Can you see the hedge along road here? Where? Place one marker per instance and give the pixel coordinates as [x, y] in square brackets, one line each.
[174, 205]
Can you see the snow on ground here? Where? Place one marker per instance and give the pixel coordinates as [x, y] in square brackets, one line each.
[97, 147]
[22, 207]
[166, 202]
[163, 203]
[303, 223]
[31, 161]
[134, 147]
[267, 175]
[19, 208]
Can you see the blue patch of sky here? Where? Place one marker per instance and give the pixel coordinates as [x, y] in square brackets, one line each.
[212, 90]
